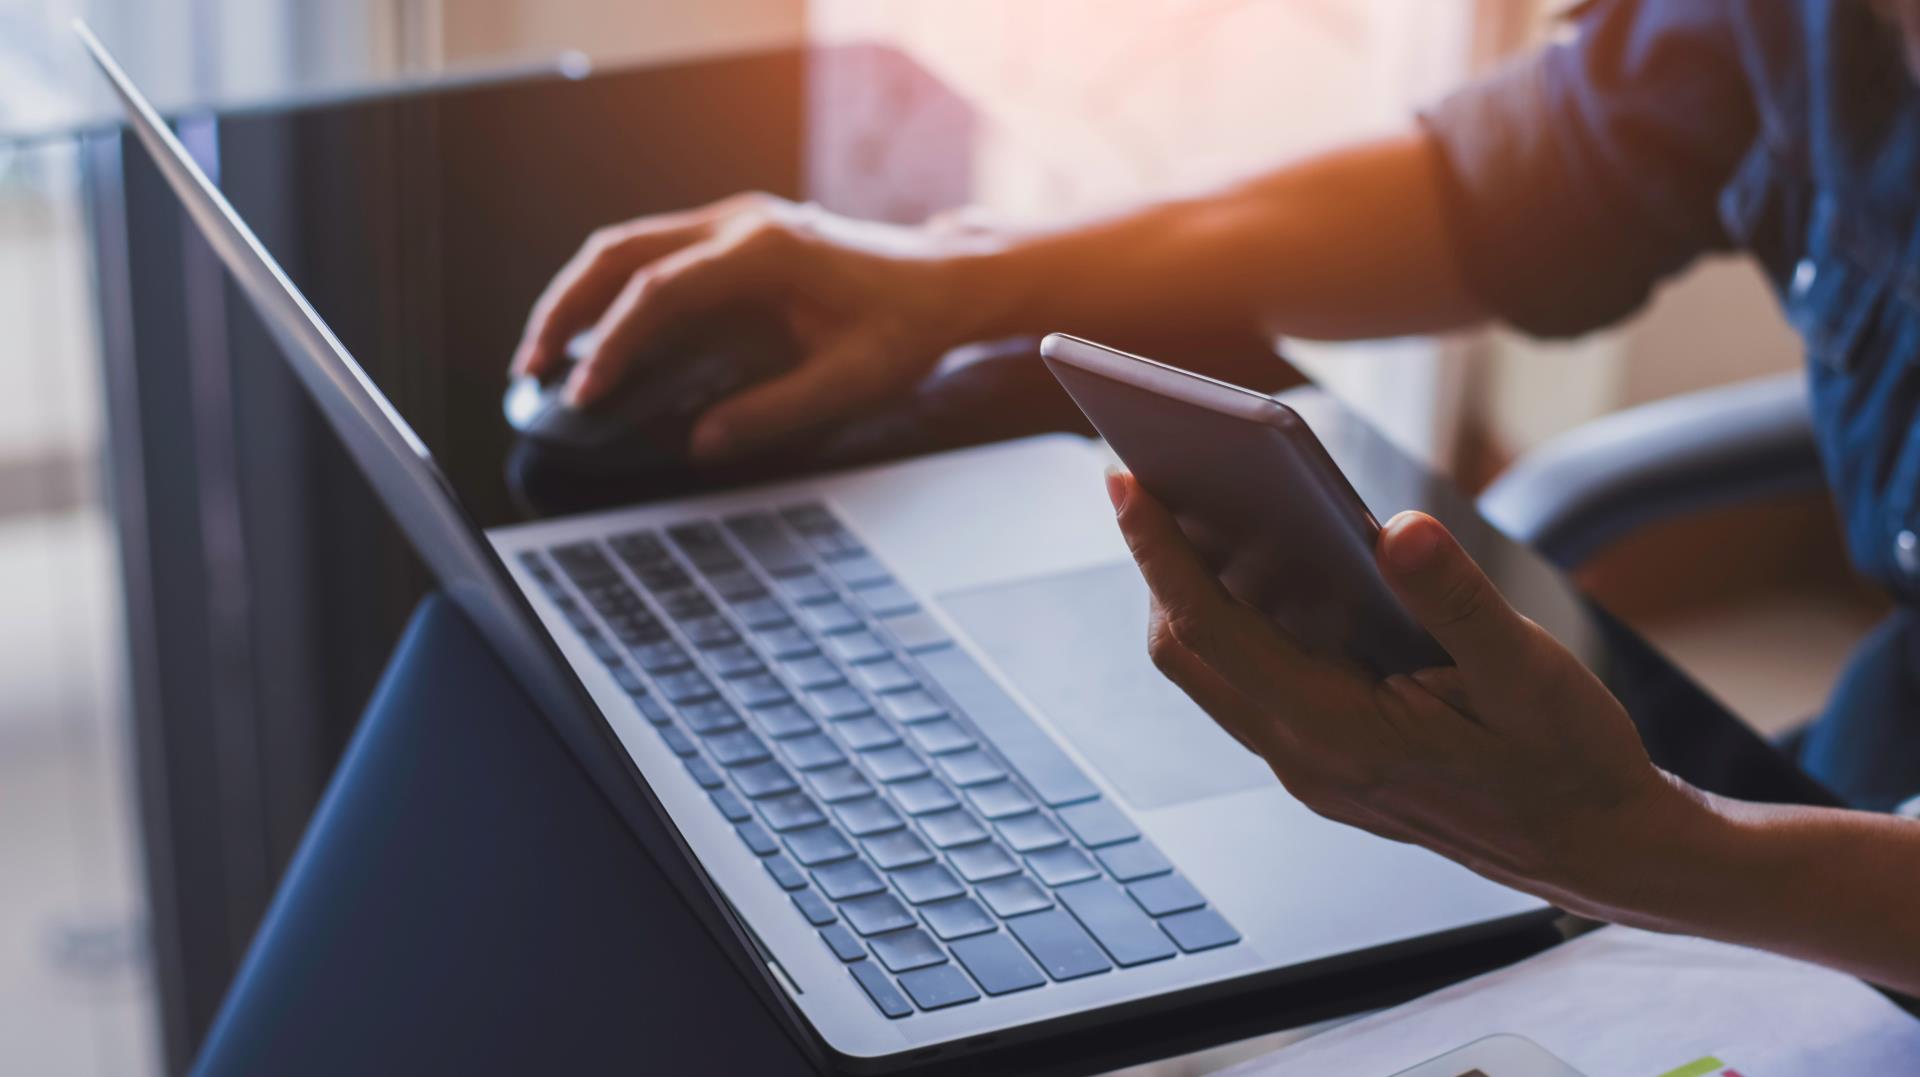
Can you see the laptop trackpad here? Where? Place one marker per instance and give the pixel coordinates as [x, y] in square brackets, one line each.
[1075, 645]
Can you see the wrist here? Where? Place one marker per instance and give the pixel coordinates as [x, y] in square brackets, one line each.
[994, 288]
[1652, 859]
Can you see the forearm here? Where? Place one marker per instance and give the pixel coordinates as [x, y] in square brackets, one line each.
[1347, 245]
[1834, 887]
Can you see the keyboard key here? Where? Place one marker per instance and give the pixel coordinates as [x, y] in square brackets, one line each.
[702, 544]
[897, 849]
[982, 861]
[784, 873]
[912, 948]
[735, 584]
[848, 879]
[998, 964]
[685, 686]
[629, 681]
[662, 657]
[710, 716]
[704, 773]
[814, 908]
[764, 779]
[1030, 833]
[951, 828]
[1132, 860]
[867, 817]
[844, 943]
[855, 647]
[894, 764]
[1062, 946]
[812, 671]
[709, 632]
[1127, 934]
[761, 611]
[817, 845]
[971, 767]
[912, 706]
[783, 720]
[858, 570]
[887, 600]
[937, 987]
[811, 751]
[1098, 823]
[884, 676]
[834, 784]
[654, 710]
[915, 630]
[840, 701]
[602, 648]
[767, 542]
[731, 806]
[922, 795]
[736, 660]
[866, 733]
[736, 748]
[1201, 929]
[790, 812]
[927, 882]
[759, 690]
[880, 989]
[1166, 894]
[957, 918]
[1000, 799]
[677, 740]
[810, 517]
[686, 603]
[785, 641]
[940, 736]
[1062, 864]
[757, 838]
[827, 618]
[1014, 895]
[1050, 773]
[875, 914]
[806, 587]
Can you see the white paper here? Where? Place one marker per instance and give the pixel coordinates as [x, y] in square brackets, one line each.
[1624, 1003]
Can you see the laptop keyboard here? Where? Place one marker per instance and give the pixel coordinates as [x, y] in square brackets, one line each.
[941, 843]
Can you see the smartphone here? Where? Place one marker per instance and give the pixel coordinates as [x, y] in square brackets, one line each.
[1257, 494]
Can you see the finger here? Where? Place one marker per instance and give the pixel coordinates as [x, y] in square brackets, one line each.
[1229, 709]
[1447, 685]
[590, 280]
[841, 378]
[689, 281]
[1449, 595]
[1200, 614]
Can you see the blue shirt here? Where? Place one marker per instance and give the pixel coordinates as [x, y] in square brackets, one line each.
[1582, 175]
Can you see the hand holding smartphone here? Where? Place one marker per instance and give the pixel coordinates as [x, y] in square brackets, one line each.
[1257, 494]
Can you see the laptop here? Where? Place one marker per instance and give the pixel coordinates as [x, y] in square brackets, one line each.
[893, 730]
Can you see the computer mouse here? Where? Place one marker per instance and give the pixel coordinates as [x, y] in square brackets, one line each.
[648, 417]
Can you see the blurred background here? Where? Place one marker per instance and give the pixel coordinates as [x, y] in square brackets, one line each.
[1075, 105]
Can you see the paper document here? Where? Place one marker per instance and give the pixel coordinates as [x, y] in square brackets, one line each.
[1625, 1003]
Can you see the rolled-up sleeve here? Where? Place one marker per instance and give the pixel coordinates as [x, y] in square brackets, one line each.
[1579, 176]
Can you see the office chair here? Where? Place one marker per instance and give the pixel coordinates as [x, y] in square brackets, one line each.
[1603, 480]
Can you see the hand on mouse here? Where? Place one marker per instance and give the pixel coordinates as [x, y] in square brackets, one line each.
[873, 307]
[1516, 762]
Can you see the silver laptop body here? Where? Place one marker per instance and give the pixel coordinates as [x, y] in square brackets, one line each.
[900, 720]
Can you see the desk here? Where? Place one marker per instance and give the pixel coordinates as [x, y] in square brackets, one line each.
[421, 224]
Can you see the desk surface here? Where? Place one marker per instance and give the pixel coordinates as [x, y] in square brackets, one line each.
[422, 225]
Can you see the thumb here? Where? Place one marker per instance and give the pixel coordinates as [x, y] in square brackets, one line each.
[1448, 594]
